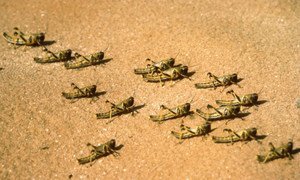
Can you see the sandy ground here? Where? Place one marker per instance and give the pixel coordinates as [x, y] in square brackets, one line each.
[258, 40]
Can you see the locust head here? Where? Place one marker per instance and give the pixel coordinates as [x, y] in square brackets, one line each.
[40, 37]
[187, 107]
[170, 62]
[235, 109]
[207, 126]
[183, 70]
[252, 131]
[98, 56]
[253, 97]
[289, 147]
[112, 143]
[233, 77]
[129, 102]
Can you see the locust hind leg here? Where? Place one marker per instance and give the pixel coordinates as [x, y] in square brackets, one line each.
[170, 110]
[49, 52]
[234, 133]
[210, 75]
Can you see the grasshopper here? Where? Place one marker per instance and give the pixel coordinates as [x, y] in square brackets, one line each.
[179, 111]
[188, 132]
[246, 100]
[52, 57]
[222, 112]
[156, 67]
[20, 38]
[225, 81]
[85, 92]
[85, 61]
[170, 74]
[243, 135]
[283, 151]
[116, 109]
[100, 151]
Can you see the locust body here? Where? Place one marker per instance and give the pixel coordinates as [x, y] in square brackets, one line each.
[283, 151]
[85, 61]
[243, 135]
[218, 81]
[245, 100]
[222, 112]
[156, 67]
[85, 92]
[20, 38]
[99, 151]
[188, 132]
[118, 109]
[179, 111]
[52, 57]
[170, 74]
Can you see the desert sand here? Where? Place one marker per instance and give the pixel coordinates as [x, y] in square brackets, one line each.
[42, 134]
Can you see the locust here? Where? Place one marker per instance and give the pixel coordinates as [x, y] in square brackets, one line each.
[156, 67]
[285, 150]
[176, 112]
[243, 135]
[100, 151]
[52, 57]
[188, 132]
[85, 61]
[245, 100]
[85, 92]
[225, 81]
[222, 112]
[123, 107]
[170, 74]
[20, 38]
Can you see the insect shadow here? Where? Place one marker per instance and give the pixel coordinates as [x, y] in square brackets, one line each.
[295, 151]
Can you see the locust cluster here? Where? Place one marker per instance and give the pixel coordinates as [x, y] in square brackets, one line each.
[159, 72]
[162, 71]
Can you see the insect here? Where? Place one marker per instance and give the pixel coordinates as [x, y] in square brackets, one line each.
[156, 67]
[117, 109]
[52, 57]
[100, 151]
[176, 112]
[85, 92]
[20, 38]
[222, 112]
[246, 100]
[243, 135]
[85, 61]
[188, 132]
[218, 81]
[283, 151]
[170, 74]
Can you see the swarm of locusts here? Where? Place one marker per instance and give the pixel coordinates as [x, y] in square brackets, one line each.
[157, 72]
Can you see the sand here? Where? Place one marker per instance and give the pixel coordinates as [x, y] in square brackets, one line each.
[42, 133]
